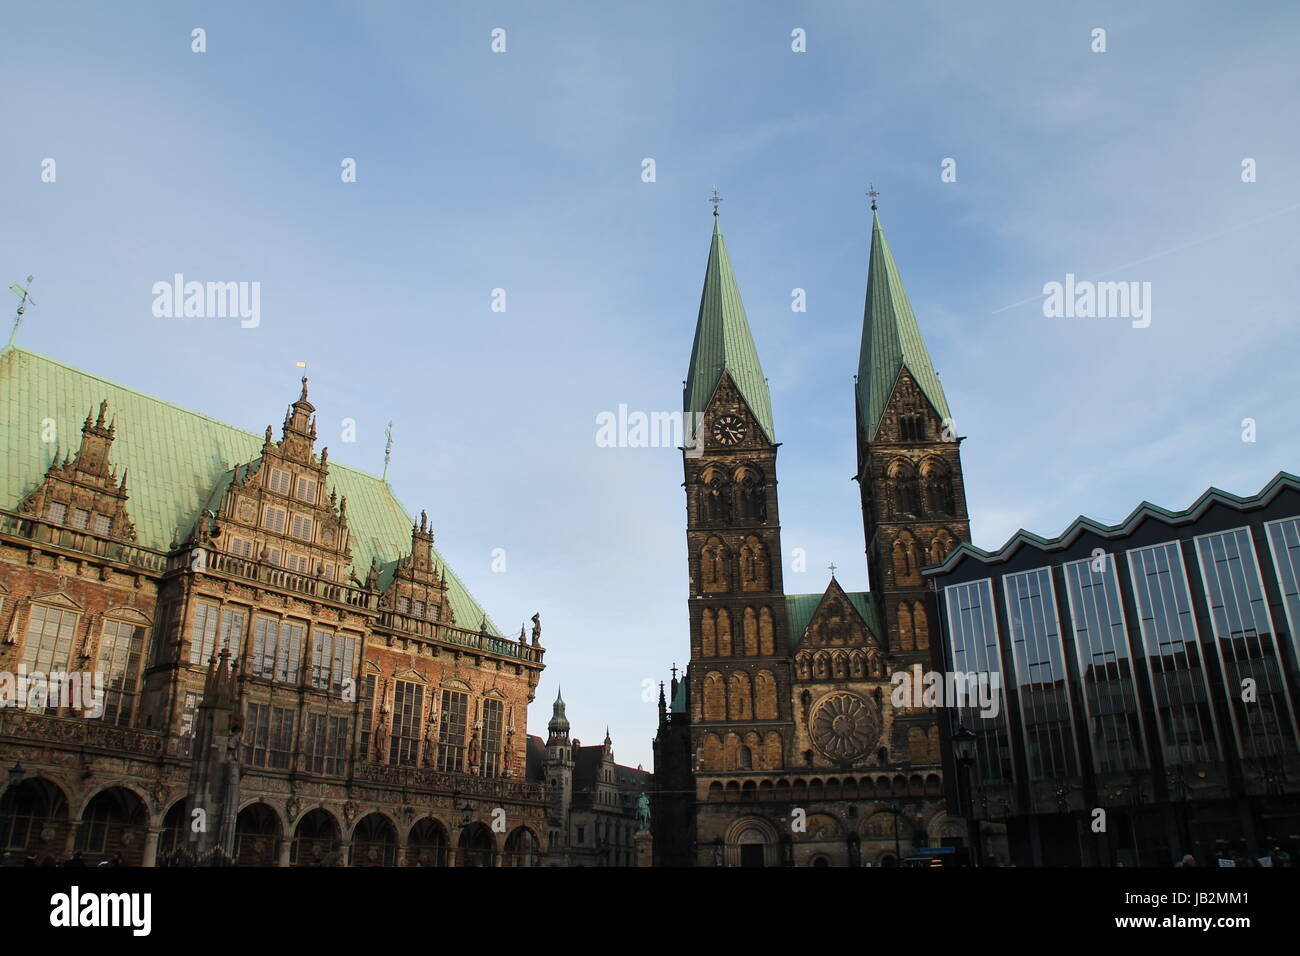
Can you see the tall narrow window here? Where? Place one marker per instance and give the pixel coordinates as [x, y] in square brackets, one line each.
[121, 646]
[408, 704]
[451, 731]
[493, 711]
[50, 634]
[367, 713]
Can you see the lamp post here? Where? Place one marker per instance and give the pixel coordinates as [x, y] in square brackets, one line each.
[898, 853]
[964, 748]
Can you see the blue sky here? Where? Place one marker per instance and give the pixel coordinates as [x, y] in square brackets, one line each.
[522, 171]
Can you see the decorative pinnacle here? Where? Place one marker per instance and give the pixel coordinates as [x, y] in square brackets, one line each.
[715, 199]
[871, 191]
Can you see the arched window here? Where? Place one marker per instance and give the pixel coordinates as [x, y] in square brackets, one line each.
[715, 697]
[740, 704]
[922, 625]
[724, 632]
[765, 696]
[751, 632]
[906, 570]
[751, 495]
[903, 484]
[938, 487]
[918, 746]
[755, 568]
[715, 497]
[906, 628]
[708, 633]
[713, 566]
[746, 759]
[766, 635]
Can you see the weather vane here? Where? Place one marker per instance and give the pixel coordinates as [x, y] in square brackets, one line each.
[22, 306]
[715, 199]
[388, 448]
[871, 191]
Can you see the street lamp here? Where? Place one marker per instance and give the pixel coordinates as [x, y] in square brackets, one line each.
[964, 749]
[466, 815]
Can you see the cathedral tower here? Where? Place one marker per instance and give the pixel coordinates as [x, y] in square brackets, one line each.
[738, 682]
[909, 463]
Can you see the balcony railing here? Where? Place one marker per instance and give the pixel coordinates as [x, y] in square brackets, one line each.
[210, 561]
[450, 634]
[40, 530]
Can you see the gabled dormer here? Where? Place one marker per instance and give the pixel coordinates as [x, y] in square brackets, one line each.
[83, 493]
[418, 592]
[837, 637]
[275, 510]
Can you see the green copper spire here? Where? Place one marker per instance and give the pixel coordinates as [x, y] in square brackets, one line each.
[723, 341]
[891, 340]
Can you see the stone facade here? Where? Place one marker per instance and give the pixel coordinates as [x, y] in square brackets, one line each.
[363, 723]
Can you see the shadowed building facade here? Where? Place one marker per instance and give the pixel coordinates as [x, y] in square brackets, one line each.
[1148, 682]
[282, 647]
[781, 745]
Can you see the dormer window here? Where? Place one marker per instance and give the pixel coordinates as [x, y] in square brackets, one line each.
[279, 481]
[80, 519]
[306, 490]
[102, 524]
[301, 528]
[273, 520]
[56, 511]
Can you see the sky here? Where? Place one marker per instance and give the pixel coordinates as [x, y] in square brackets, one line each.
[523, 171]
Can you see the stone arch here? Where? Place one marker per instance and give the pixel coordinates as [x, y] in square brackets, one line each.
[374, 841]
[921, 623]
[715, 497]
[730, 751]
[755, 565]
[740, 698]
[906, 628]
[114, 820]
[715, 696]
[904, 496]
[724, 632]
[708, 633]
[936, 480]
[258, 832]
[772, 749]
[840, 664]
[751, 495]
[752, 841]
[715, 566]
[765, 696]
[34, 818]
[174, 837]
[750, 631]
[711, 752]
[317, 839]
[766, 632]
[475, 847]
[907, 568]
[715, 792]
[522, 848]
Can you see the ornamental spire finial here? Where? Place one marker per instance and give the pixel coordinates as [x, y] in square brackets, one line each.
[715, 199]
[871, 191]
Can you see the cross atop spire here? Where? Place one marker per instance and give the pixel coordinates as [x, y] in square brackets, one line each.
[715, 199]
[831, 567]
[871, 191]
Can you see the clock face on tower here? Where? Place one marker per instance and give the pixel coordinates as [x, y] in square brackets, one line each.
[729, 430]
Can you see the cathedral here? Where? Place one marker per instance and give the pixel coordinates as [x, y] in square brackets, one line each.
[780, 746]
[290, 672]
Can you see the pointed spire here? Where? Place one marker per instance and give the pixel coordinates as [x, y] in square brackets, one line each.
[891, 340]
[723, 341]
[559, 724]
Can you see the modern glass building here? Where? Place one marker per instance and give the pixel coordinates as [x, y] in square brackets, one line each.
[1148, 683]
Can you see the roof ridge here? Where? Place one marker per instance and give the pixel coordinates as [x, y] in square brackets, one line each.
[334, 462]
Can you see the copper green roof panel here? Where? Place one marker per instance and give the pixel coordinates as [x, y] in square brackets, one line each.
[176, 461]
[679, 698]
[723, 341]
[891, 339]
[800, 608]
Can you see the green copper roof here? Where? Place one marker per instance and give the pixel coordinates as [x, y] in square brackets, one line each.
[800, 608]
[679, 698]
[175, 460]
[891, 339]
[723, 341]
